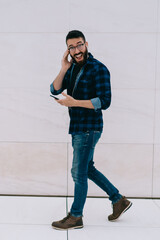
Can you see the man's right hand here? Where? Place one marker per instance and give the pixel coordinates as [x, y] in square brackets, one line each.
[65, 63]
[57, 83]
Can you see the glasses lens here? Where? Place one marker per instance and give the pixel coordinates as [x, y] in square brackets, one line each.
[72, 49]
[80, 46]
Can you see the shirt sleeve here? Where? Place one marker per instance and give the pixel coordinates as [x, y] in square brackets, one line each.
[102, 88]
[53, 91]
[96, 103]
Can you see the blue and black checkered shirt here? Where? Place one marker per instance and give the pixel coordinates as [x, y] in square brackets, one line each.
[92, 83]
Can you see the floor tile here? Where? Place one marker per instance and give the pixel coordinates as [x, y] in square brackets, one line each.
[30, 232]
[143, 213]
[114, 233]
[157, 202]
[30, 218]
[31, 210]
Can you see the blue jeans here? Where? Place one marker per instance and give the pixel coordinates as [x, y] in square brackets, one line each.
[83, 168]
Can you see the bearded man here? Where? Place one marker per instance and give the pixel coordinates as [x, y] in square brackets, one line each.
[87, 81]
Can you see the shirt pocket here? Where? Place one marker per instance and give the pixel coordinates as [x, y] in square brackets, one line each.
[86, 83]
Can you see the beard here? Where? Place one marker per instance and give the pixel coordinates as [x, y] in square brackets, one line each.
[85, 56]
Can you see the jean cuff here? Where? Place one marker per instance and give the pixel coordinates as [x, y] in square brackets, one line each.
[117, 199]
[74, 215]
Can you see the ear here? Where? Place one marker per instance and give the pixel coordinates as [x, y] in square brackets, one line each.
[86, 43]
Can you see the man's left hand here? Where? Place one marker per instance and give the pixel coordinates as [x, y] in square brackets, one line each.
[68, 101]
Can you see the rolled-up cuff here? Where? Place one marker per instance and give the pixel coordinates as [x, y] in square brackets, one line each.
[96, 103]
[53, 91]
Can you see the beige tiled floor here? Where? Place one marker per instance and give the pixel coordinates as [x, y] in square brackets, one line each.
[31, 217]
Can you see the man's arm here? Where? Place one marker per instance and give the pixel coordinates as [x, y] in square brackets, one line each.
[71, 102]
[84, 104]
[57, 83]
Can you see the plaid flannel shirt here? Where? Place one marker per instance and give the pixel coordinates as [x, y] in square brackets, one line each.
[92, 83]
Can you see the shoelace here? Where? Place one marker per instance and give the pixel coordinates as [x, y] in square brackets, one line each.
[64, 219]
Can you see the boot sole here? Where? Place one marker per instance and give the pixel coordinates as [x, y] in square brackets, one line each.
[62, 229]
[122, 212]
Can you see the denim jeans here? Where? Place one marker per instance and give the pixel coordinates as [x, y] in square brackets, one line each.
[83, 168]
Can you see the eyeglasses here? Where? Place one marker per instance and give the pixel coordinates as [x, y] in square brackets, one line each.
[79, 47]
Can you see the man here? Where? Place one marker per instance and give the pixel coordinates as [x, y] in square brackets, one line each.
[88, 92]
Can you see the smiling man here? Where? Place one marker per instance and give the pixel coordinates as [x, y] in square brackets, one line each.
[77, 53]
[88, 93]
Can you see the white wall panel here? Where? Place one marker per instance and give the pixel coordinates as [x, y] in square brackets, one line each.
[130, 118]
[33, 168]
[158, 16]
[28, 64]
[130, 58]
[34, 16]
[127, 166]
[32, 116]
[156, 171]
[114, 16]
[157, 118]
[34, 128]
[30, 60]
[158, 63]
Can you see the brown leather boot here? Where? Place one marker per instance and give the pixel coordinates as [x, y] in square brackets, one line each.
[69, 222]
[118, 208]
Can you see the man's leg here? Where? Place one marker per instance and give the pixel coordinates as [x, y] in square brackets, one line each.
[120, 203]
[83, 145]
[83, 149]
[98, 178]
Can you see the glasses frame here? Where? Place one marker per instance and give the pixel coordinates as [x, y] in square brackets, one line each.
[79, 47]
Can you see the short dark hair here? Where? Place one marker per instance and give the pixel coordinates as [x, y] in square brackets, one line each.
[75, 34]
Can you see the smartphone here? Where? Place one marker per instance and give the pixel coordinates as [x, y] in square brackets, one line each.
[54, 97]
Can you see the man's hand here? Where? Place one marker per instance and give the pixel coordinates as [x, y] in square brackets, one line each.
[65, 63]
[71, 102]
[68, 101]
